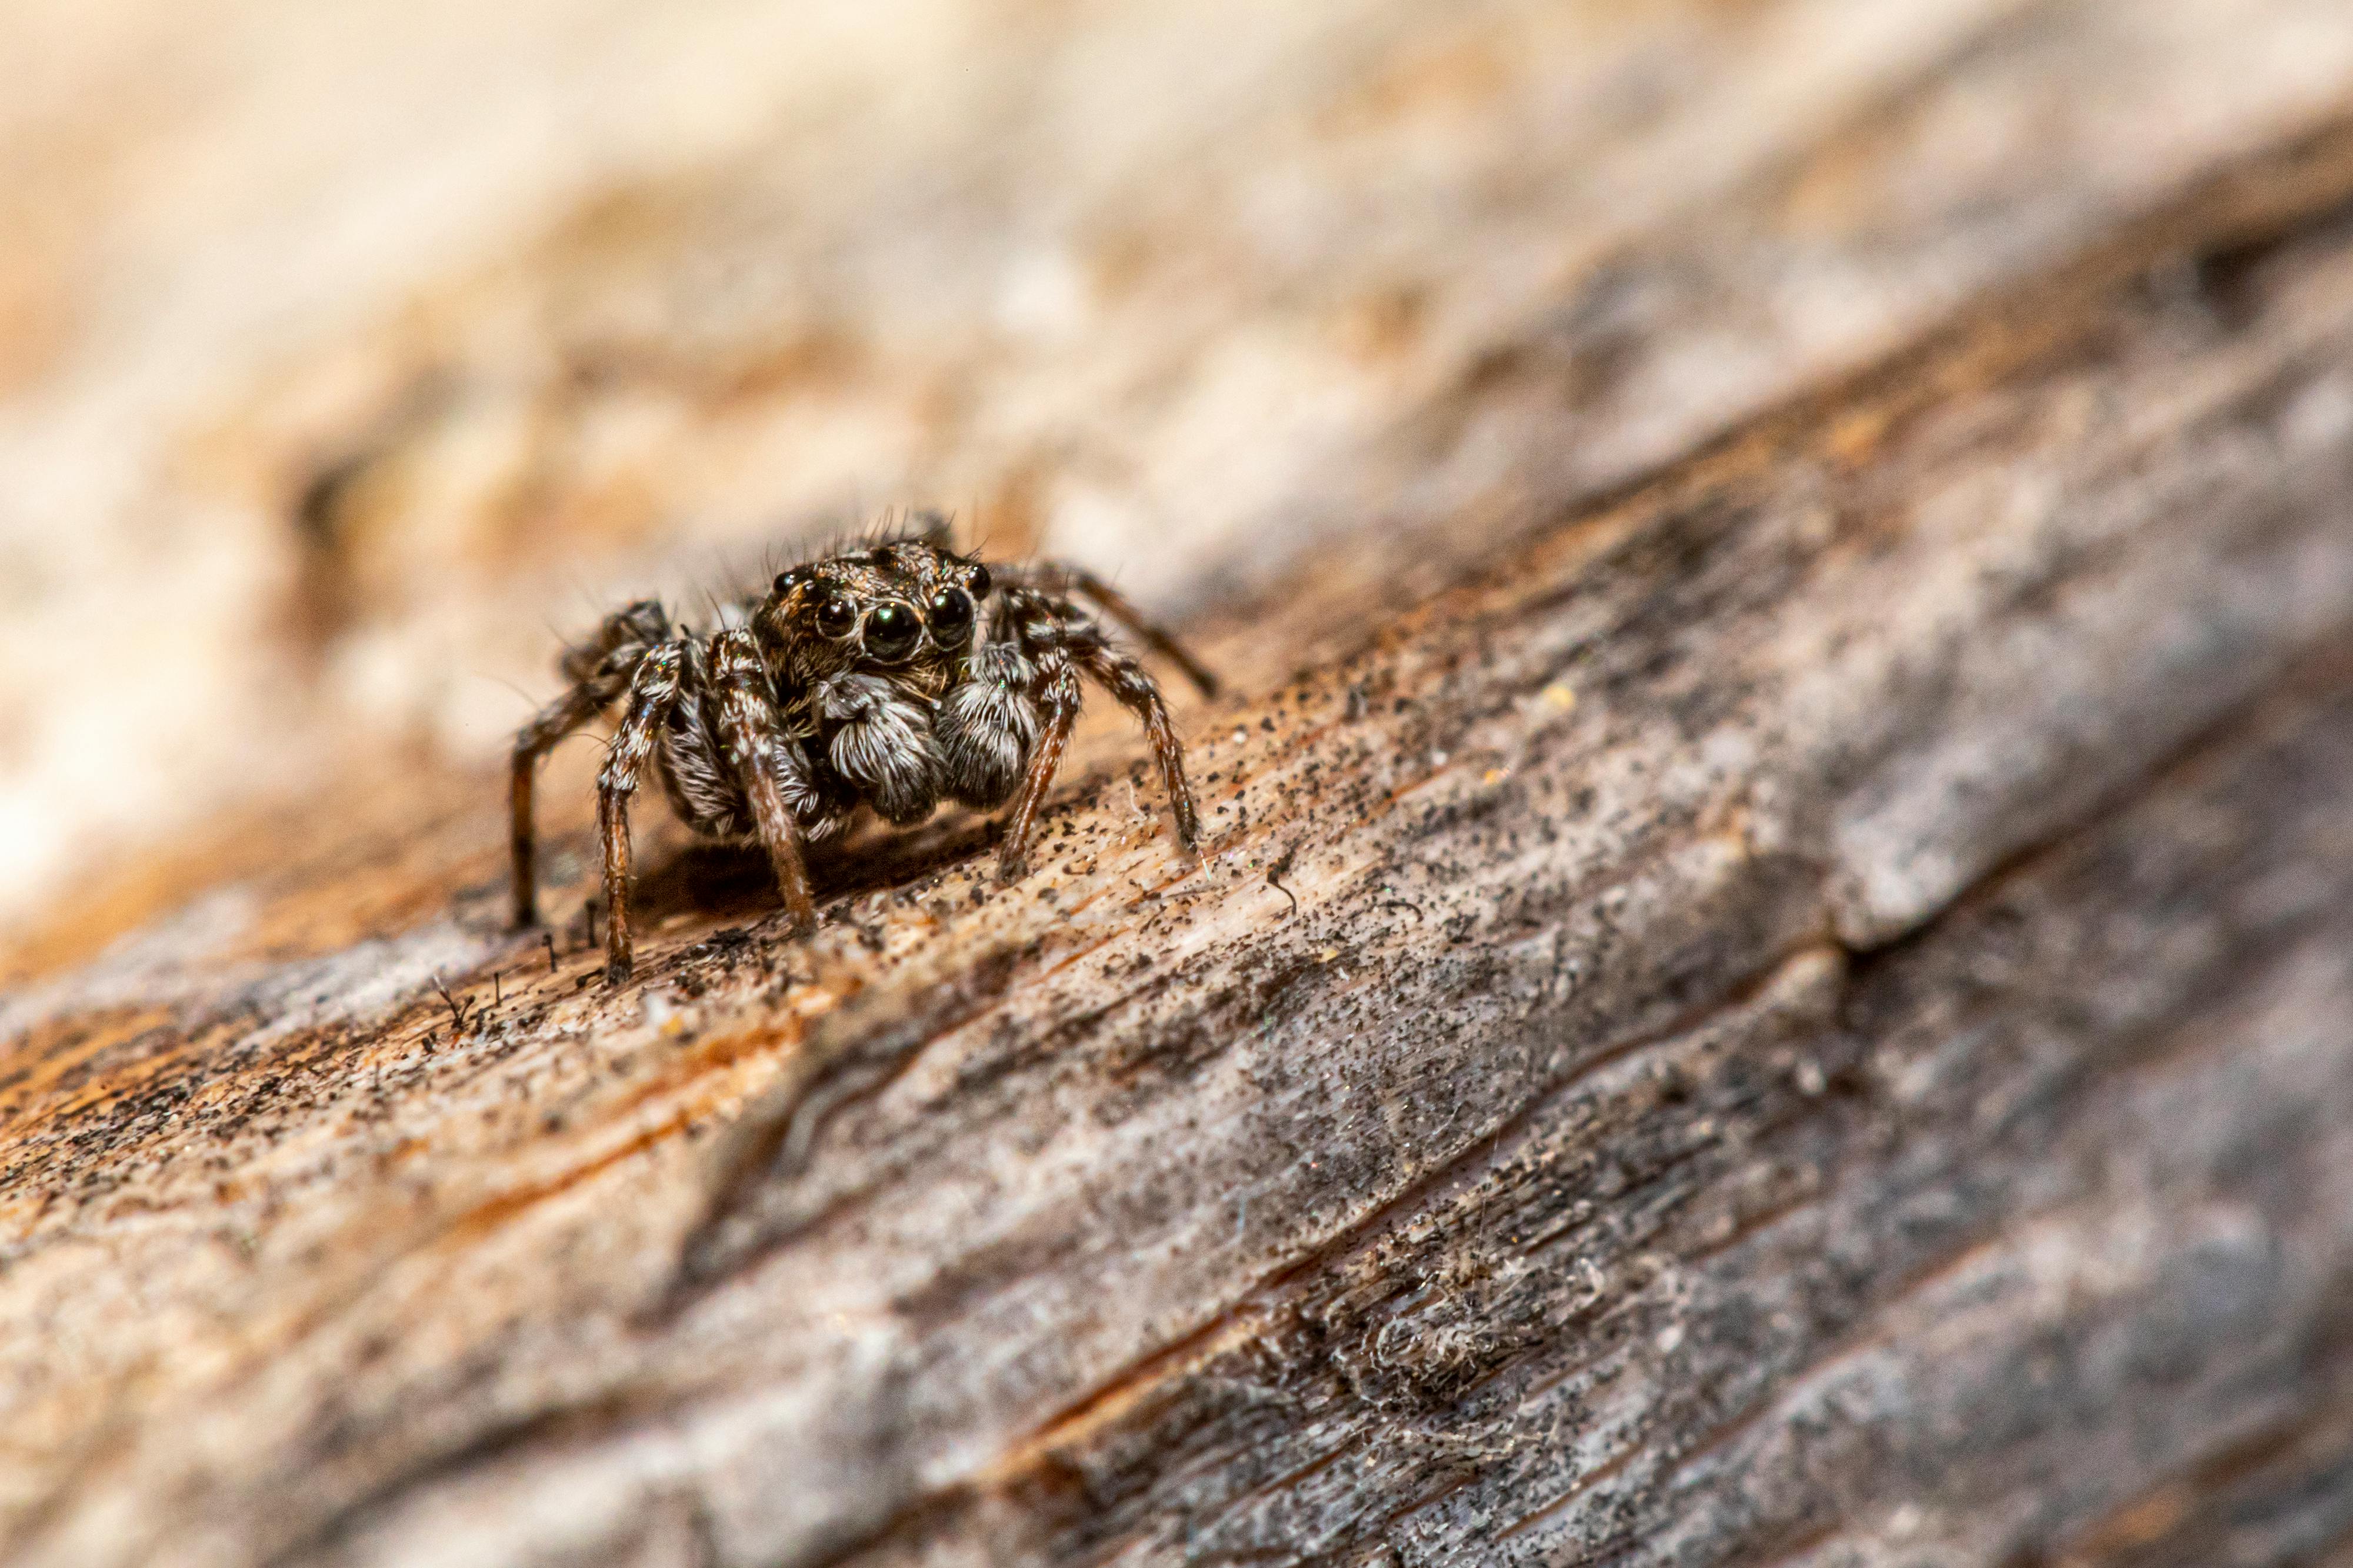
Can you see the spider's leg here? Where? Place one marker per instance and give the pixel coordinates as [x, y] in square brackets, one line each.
[557, 719]
[1058, 698]
[652, 689]
[1057, 578]
[1124, 679]
[599, 672]
[755, 746]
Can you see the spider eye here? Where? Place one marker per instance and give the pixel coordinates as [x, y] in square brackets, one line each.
[892, 630]
[836, 616]
[978, 583]
[950, 617]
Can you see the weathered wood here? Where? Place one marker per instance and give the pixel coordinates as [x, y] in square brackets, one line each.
[1798, 1011]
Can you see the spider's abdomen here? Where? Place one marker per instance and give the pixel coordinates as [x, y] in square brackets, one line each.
[985, 726]
[880, 740]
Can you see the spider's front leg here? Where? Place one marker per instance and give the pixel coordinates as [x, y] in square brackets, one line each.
[767, 766]
[653, 691]
[599, 672]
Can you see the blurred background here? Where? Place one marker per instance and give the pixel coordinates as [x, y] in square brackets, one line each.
[351, 355]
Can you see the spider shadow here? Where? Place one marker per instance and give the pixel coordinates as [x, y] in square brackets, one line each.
[731, 882]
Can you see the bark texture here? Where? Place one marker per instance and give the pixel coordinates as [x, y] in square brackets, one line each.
[1772, 983]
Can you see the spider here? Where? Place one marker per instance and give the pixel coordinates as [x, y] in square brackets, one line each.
[893, 677]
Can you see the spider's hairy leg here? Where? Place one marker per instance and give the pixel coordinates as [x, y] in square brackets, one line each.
[557, 719]
[1060, 579]
[1140, 695]
[599, 672]
[652, 691]
[751, 737]
[1058, 700]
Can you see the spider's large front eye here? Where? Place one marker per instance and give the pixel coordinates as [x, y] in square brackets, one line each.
[836, 616]
[892, 630]
[950, 617]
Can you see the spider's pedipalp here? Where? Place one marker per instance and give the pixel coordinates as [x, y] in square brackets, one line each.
[881, 744]
[986, 724]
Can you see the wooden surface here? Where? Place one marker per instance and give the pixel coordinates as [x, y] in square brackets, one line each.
[1773, 982]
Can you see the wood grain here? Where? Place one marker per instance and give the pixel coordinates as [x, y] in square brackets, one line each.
[1772, 983]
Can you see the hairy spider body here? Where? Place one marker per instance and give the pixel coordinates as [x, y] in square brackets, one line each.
[896, 676]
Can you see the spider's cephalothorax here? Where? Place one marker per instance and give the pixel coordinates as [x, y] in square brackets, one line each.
[896, 676]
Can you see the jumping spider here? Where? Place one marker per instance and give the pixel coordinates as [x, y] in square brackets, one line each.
[895, 676]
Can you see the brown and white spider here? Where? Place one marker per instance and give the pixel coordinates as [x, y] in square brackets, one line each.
[896, 676]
